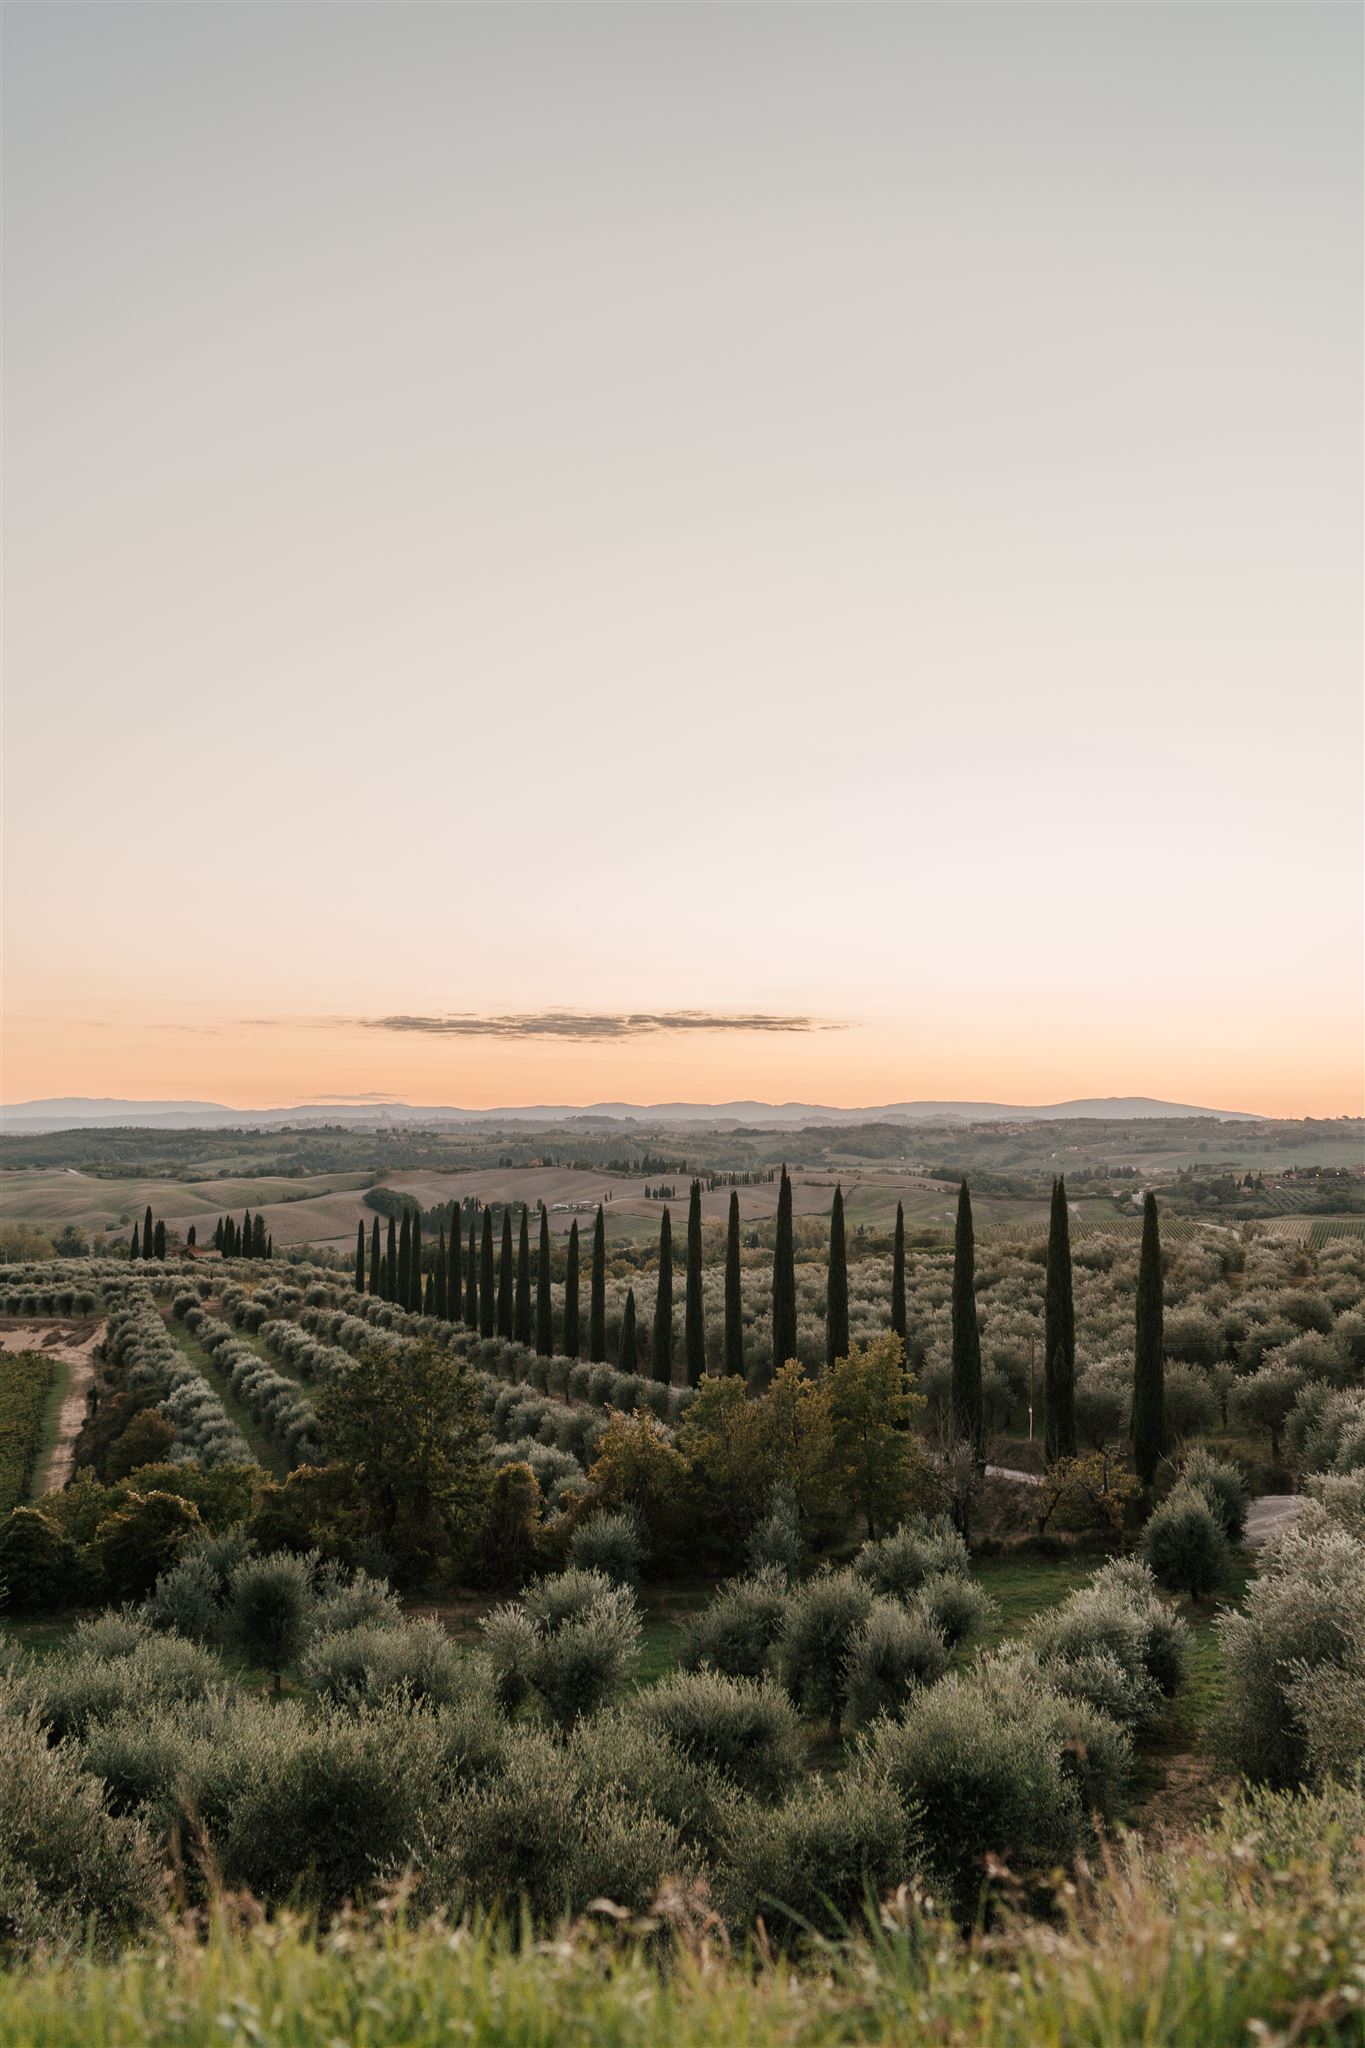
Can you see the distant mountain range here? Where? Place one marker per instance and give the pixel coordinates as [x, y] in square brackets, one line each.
[77, 1112]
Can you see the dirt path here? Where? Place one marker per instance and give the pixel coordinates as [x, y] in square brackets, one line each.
[78, 1355]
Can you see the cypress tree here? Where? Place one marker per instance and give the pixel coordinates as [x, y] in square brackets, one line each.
[147, 1233]
[218, 1235]
[244, 1242]
[628, 1358]
[429, 1296]
[966, 1384]
[454, 1262]
[471, 1278]
[734, 1306]
[360, 1258]
[487, 1295]
[159, 1240]
[376, 1285]
[661, 1349]
[135, 1248]
[439, 1271]
[269, 1246]
[404, 1291]
[597, 1292]
[506, 1276]
[415, 1302]
[570, 1338]
[192, 1234]
[545, 1315]
[521, 1310]
[898, 1274]
[1149, 1368]
[784, 1277]
[1059, 1338]
[391, 1264]
[694, 1317]
[260, 1243]
[836, 1286]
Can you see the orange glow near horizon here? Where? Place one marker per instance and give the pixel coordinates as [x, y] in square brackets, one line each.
[282, 1066]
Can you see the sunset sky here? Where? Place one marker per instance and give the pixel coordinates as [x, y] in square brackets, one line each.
[592, 552]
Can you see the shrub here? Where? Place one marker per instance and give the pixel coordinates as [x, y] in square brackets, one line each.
[611, 1544]
[897, 1566]
[777, 1544]
[39, 1566]
[89, 1685]
[1191, 1405]
[536, 1836]
[70, 1871]
[895, 1650]
[1301, 1616]
[617, 1751]
[1184, 1543]
[325, 1804]
[989, 1764]
[818, 1628]
[736, 1630]
[187, 1600]
[572, 1642]
[268, 1610]
[1115, 1644]
[821, 1859]
[1222, 1486]
[138, 1542]
[355, 1600]
[745, 1728]
[359, 1666]
[959, 1609]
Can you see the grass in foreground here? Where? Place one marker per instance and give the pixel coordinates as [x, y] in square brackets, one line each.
[1251, 1931]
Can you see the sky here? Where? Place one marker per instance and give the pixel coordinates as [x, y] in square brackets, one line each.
[562, 553]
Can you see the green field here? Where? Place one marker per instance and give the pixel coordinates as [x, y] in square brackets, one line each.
[26, 1380]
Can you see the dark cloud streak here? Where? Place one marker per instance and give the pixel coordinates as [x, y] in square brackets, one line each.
[573, 1024]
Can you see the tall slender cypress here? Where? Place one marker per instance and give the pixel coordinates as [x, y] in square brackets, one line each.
[360, 1258]
[898, 1274]
[784, 1277]
[521, 1306]
[415, 1298]
[694, 1314]
[545, 1317]
[569, 1340]
[391, 1264]
[734, 1304]
[471, 1277]
[507, 1284]
[1149, 1367]
[403, 1293]
[147, 1233]
[597, 1292]
[628, 1357]
[454, 1261]
[374, 1258]
[438, 1271]
[135, 1248]
[487, 1294]
[661, 1349]
[429, 1295]
[836, 1285]
[1059, 1335]
[968, 1424]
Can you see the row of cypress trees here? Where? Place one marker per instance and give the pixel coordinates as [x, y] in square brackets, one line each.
[1059, 1340]
[493, 1295]
[151, 1242]
[248, 1239]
